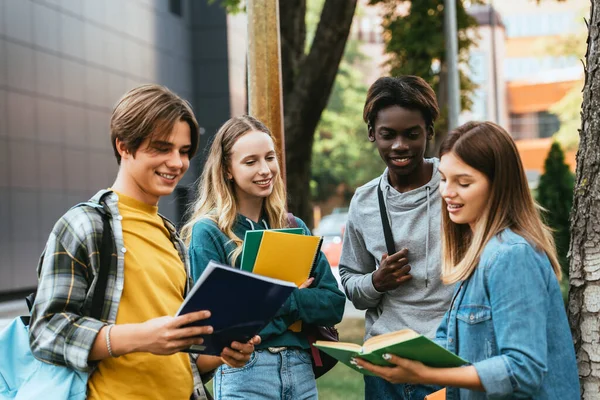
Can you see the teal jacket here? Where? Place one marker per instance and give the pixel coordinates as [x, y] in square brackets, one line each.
[320, 304]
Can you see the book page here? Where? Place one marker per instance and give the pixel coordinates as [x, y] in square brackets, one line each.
[340, 345]
[387, 339]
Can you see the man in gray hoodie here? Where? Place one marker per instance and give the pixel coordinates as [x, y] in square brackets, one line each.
[397, 283]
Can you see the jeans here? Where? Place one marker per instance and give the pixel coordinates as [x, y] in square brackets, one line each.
[286, 375]
[378, 388]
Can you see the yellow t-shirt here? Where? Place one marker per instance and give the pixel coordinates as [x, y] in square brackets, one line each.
[155, 280]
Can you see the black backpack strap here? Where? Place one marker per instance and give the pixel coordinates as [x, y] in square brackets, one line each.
[29, 299]
[106, 250]
[385, 222]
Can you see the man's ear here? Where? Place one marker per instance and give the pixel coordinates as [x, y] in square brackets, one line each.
[430, 133]
[122, 149]
[370, 133]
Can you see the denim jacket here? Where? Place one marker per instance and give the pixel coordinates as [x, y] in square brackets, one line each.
[508, 319]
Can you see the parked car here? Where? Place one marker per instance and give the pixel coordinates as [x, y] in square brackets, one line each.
[332, 228]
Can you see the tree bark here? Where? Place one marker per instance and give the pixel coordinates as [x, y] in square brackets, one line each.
[584, 254]
[307, 83]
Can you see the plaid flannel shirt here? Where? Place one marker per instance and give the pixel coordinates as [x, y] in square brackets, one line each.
[61, 331]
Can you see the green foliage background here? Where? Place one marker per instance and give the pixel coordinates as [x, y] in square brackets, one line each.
[342, 154]
[415, 43]
[555, 195]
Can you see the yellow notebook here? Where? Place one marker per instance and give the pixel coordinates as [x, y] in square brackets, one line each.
[287, 257]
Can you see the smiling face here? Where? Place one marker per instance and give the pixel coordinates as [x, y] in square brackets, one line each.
[400, 135]
[157, 166]
[254, 166]
[464, 189]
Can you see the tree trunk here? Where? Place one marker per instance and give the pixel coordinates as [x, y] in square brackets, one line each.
[307, 83]
[584, 296]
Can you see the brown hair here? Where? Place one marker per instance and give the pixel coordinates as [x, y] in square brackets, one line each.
[216, 197]
[149, 111]
[408, 91]
[490, 150]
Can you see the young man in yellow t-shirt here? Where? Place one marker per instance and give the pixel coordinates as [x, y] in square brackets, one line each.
[134, 351]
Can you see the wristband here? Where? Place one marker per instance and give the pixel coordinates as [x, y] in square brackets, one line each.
[108, 346]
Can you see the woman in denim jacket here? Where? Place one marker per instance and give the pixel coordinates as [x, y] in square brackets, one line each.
[507, 316]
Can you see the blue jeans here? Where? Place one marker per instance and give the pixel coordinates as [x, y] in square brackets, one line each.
[287, 375]
[378, 388]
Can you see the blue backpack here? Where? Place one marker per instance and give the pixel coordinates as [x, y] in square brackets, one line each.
[22, 376]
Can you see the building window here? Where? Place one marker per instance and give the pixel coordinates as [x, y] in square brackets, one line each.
[176, 7]
[548, 124]
[541, 24]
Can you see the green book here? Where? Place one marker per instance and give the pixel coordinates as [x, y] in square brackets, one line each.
[252, 241]
[405, 343]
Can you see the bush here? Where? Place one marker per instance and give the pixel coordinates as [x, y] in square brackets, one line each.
[555, 194]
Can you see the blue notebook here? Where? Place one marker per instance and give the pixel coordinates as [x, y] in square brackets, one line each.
[241, 304]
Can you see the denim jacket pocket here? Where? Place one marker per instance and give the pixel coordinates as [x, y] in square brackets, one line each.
[474, 314]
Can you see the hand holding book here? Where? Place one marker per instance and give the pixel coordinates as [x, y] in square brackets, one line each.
[407, 357]
[241, 304]
[404, 343]
[409, 371]
[307, 283]
[403, 370]
[235, 356]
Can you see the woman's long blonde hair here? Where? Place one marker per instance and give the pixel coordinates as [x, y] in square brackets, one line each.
[490, 150]
[216, 196]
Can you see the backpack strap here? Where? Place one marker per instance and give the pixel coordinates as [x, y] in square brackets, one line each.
[385, 222]
[106, 250]
[292, 223]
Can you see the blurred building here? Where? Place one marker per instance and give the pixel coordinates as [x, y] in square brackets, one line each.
[63, 65]
[368, 31]
[538, 72]
[523, 65]
[486, 68]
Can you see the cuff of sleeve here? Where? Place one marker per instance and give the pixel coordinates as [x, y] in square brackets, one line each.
[494, 376]
[290, 305]
[369, 288]
[84, 335]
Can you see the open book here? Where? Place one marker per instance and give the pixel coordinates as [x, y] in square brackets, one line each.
[405, 343]
[241, 305]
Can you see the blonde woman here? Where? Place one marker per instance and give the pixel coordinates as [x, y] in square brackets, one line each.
[507, 316]
[241, 189]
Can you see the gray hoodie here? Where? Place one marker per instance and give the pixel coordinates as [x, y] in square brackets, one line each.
[415, 220]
